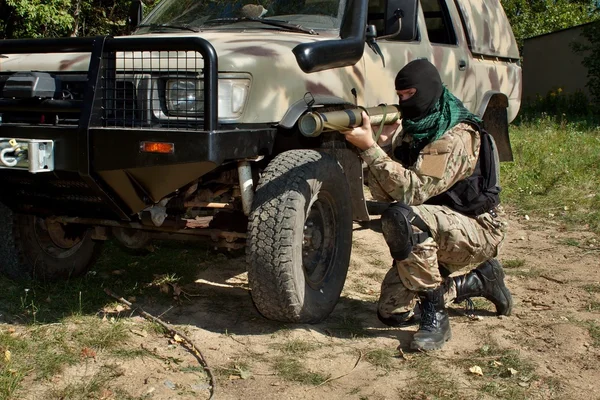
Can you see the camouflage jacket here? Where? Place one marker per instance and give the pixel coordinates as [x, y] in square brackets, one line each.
[439, 166]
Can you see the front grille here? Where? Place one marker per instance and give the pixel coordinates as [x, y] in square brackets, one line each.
[153, 89]
[122, 109]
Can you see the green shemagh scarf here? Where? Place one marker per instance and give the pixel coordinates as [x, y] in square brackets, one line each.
[445, 115]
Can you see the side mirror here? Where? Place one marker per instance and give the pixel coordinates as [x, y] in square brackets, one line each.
[401, 20]
[136, 13]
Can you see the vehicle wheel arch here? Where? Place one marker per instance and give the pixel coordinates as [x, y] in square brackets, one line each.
[290, 138]
[494, 112]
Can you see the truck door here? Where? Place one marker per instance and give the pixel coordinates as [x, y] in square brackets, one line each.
[381, 73]
[440, 40]
[449, 49]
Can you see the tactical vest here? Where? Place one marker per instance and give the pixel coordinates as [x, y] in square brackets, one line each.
[472, 196]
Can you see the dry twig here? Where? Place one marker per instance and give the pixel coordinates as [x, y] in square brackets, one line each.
[553, 279]
[187, 342]
[341, 376]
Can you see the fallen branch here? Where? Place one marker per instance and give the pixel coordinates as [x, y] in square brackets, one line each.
[174, 334]
[553, 279]
[341, 376]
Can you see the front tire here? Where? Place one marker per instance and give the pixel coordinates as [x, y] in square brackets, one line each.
[33, 247]
[299, 237]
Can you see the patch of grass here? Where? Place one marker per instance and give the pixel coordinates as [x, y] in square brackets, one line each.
[429, 382]
[13, 371]
[525, 273]
[592, 288]
[553, 385]
[43, 351]
[500, 390]
[594, 330]
[347, 325]
[238, 368]
[38, 353]
[296, 347]
[570, 242]
[593, 306]
[89, 388]
[381, 358]
[164, 279]
[156, 328]
[99, 335]
[198, 369]
[124, 273]
[514, 263]
[52, 350]
[554, 172]
[507, 359]
[496, 363]
[291, 369]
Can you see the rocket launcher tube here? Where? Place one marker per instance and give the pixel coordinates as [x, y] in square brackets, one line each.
[315, 123]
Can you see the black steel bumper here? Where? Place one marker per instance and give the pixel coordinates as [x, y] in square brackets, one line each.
[99, 170]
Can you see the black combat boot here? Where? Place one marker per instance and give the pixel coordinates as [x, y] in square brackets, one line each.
[487, 281]
[402, 319]
[434, 329]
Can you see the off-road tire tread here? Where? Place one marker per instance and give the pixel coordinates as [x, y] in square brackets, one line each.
[269, 244]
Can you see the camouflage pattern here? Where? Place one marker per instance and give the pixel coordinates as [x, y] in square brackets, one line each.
[483, 74]
[440, 165]
[278, 82]
[488, 29]
[276, 79]
[457, 242]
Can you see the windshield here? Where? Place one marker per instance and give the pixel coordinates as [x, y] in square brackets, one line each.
[236, 14]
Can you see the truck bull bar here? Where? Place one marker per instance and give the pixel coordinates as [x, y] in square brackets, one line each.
[99, 170]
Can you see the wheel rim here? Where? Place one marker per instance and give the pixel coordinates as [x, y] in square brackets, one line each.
[58, 240]
[318, 246]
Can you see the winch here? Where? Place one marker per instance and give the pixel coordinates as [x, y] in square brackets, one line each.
[34, 155]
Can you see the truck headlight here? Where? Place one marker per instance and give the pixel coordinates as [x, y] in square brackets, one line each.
[185, 97]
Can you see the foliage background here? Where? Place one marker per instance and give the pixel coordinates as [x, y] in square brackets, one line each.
[55, 18]
[60, 18]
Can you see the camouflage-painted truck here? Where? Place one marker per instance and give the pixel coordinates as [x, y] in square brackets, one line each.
[188, 129]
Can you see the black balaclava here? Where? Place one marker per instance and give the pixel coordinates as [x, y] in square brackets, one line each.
[423, 76]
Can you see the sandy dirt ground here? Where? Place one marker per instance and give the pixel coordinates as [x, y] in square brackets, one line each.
[549, 347]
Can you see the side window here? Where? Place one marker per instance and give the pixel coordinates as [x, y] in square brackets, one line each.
[376, 16]
[438, 22]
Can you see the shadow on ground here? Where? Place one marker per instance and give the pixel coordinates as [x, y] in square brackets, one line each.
[185, 285]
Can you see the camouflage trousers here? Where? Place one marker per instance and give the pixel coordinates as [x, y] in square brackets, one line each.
[457, 242]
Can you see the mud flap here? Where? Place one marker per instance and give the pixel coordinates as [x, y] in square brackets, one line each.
[495, 121]
[352, 166]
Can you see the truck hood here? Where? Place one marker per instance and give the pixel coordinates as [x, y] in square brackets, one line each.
[237, 52]
[277, 81]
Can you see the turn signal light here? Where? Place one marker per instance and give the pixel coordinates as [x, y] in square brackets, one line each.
[157, 147]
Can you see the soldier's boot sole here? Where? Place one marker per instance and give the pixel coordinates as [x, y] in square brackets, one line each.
[429, 345]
